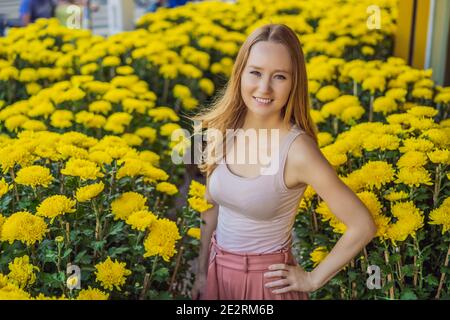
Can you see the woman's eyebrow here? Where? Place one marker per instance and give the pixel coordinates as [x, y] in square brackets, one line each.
[278, 70]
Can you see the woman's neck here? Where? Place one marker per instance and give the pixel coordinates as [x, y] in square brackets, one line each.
[263, 123]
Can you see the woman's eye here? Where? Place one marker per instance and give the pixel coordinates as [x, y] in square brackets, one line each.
[254, 72]
[282, 77]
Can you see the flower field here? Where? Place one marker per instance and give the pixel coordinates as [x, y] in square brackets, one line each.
[87, 181]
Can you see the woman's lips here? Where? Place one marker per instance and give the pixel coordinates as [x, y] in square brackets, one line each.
[262, 103]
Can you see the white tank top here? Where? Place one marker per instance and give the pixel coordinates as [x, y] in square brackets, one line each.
[256, 214]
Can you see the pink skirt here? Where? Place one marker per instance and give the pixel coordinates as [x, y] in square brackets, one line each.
[240, 276]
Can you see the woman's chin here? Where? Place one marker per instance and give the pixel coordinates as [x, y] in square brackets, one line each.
[260, 111]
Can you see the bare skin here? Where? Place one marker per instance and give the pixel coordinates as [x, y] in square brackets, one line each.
[305, 164]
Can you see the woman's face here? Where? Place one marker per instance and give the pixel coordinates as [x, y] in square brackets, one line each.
[267, 76]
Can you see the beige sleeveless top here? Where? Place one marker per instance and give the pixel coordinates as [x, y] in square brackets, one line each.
[256, 214]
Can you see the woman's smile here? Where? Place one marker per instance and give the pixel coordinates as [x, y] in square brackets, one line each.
[262, 102]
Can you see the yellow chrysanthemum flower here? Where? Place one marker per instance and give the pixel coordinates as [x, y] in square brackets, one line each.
[55, 206]
[84, 169]
[439, 137]
[384, 105]
[126, 204]
[372, 203]
[412, 159]
[4, 187]
[34, 176]
[377, 173]
[100, 106]
[167, 187]
[383, 142]
[14, 154]
[61, 119]
[374, 83]
[168, 128]
[22, 272]
[414, 176]
[162, 239]
[207, 86]
[152, 173]
[318, 255]
[194, 233]
[89, 192]
[418, 144]
[199, 204]
[12, 292]
[396, 196]
[163, 114]
[92, 294]
[441, 215]
[196, 189]
[437, 156]
[423, 111]
[327, 93]
[141, 220]
[409, 220]
[25, 227]
[111, 274]
[147, 133]
[131, 168]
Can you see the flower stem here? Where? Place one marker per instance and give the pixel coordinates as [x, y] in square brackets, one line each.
[437, 185]
[16, 193]
[355, 88]
[172, 280]
[166, 89]
[353, 294]
[155, 263]
[441, 281]
[418, 264]
[389, 276]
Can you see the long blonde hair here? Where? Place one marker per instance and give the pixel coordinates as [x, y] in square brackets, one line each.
[228, 110]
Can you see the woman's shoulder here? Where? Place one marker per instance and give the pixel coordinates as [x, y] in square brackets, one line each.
[304, 150]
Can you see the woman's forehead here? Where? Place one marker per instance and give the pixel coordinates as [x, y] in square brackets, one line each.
[270, 56]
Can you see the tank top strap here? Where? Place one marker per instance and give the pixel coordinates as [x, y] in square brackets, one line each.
[284, 150]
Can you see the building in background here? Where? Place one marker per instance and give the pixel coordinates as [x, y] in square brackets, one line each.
[423, 36]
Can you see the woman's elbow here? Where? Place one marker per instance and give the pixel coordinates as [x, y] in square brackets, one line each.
[371, 230]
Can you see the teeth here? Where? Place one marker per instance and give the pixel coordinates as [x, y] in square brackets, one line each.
[263, 100]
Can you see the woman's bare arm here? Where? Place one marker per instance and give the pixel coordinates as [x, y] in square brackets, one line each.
[314, 169]
[209, 224]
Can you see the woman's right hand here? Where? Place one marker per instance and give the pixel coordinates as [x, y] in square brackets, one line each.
[199, 288]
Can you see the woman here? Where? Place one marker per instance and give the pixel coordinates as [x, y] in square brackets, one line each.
[248, 231]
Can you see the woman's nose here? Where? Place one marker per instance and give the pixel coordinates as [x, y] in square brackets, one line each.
[264, 85]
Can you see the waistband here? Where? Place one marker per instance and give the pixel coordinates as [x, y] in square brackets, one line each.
[248, 261]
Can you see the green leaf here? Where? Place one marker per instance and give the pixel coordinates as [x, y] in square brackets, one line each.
[50, 256]
[51, 279]
[117, 228]
[161, 274]
[98, 245]
[352, 276]
[408, 270]
[408, 295]
[394, 258]
[88, 232]
[82, 258]
[114, 252]
[66, 253]
[432, 280]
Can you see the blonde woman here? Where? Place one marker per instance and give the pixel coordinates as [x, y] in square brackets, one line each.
[246, 237]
